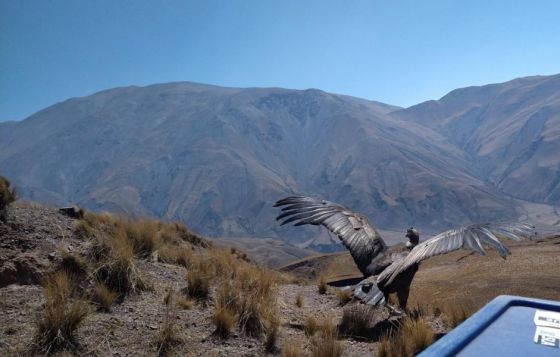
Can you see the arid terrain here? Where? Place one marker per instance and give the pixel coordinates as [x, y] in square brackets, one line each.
[180, 295]
[218, 158]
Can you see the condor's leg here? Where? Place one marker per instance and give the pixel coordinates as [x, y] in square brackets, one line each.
[402, 295]
[403, 285]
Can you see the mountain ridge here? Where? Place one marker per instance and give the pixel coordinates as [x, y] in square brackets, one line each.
[217, 158]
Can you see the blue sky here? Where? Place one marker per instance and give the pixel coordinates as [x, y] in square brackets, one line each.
[398, 52]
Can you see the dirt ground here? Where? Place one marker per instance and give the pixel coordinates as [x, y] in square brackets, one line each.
[32, 241]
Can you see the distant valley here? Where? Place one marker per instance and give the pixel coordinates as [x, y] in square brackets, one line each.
[217, 158]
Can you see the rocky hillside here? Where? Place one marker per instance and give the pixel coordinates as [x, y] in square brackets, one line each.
[510, 131]
[104, 285]
[219, 157]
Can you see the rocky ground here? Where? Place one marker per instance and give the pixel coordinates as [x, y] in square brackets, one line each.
[35, 238]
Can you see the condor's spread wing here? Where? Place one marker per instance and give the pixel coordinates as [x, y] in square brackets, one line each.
[468, 237]
[354, 230]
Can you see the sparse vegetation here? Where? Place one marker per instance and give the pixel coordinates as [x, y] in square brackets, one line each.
[103, 297]
[7, 196]
[299, 300]
[456, 312]
[74, 265]
[413, 336]
[224, 320]
[168, 335]
[310, 326]
[271, 334]
[356, 321]
[322, 286]
[60, 317]
[325, 343]
[344, 296]
[183, 303]
[198, 284]
[291, 350]
[243, 297]
[118, 270]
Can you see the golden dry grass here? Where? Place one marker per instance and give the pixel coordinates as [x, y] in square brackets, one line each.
[356, 320]
[118, 269]
[248, 291]
[344, 296]
[244, 294]
[198, 285]
[103, 297]
[290, 349]
[183, 303]
[322, 285]
[310, 326]
[168, 335]
[271, 334]
[299, 300]
[7, 196]
[61, 316]
[413, 336]
[224, 320]
[325, 343]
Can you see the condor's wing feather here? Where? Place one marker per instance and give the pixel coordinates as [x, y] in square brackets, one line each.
[468, 237]
[355, 231]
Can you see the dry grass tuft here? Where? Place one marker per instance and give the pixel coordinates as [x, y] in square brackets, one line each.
[117, 267]
[198, 285]
[142, 234]
[249, 292]
[322, 286]
[310, 326]
[456, 312]
[257, 308]
[299, 300]
[412, 337]
[103, 297]
[271, 335]
[356, 321]
[174, 254]
[325, 343]
[344, 296]
[291, 350]
[74, 265]
[185, 304]
[83, 229]
[168, 335]
[223, 319]
[7, 196]
[186, 235]
[60, 317]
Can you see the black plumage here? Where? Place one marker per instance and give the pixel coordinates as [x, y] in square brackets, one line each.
[393, 272]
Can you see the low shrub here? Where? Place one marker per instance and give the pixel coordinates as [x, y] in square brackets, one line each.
[60, 317]
[412, 337]
[356, 321]
[7, 196]
[322, 286]
[291, 350]
[198, 285]
[223, 319]
[344, 296]
[168, 335]
[103, 297]
[299, 300]
[325, 343]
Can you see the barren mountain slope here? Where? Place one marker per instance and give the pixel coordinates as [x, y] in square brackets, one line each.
[219, 157]
[511, 130]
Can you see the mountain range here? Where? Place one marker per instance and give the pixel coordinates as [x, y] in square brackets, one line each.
[218, 158]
